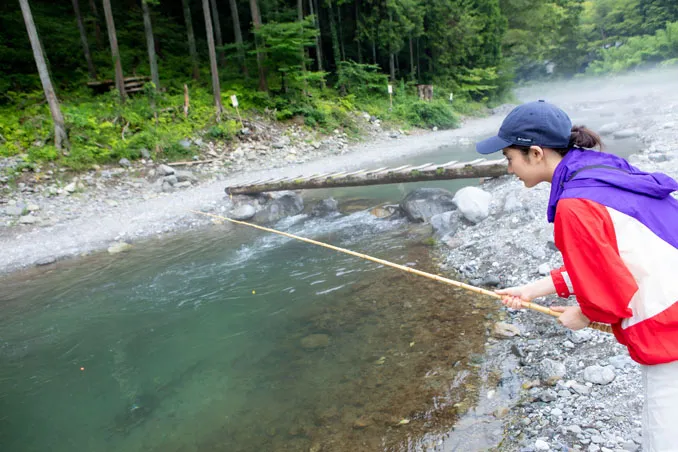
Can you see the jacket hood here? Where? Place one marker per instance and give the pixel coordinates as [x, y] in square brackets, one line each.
[585, 168]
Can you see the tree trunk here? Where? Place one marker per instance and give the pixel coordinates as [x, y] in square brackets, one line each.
[238, 35]
[113, 40]
[256, 19]
[318, 42]
[357, 36]
[97, 27]
[83, 39]
[191, 39]
[341, 35]
[217, 33]
[418, 62]
[335, 37]
[412, 60]
[374, 51]
[300, 16]
[216, 89]
[150, 44]
[60, 136]
[391, 63]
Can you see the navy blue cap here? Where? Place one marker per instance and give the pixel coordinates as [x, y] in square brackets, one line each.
[534, 123]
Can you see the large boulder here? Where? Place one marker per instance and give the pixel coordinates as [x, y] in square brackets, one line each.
[243, 212]
[473, 203]
[282, 204]
[446, 222]
[423, 203]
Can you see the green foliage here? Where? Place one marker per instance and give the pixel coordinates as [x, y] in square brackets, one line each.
[419, 113]
[361, 78]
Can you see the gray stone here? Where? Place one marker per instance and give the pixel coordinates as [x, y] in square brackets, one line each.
[325, 207]
[581, 389]
[167, 187]
[541, 445]
[46, 261]
[165, 170]
[548, 395]
[473, 203]
[172, 180]
[620, 361]
[579, 336]
[512, 204]
[446, 222]
[28, 219]
[599, 375]
[185, 176]
[608, 129]
[119, 247]
[124, 163]
[243, 212]
[544, 269]
[14, 211]
[423, 203]
[282, 204]
[32, 207]
[186, 144]
[504, 330]
[184, 184]
[551, 371]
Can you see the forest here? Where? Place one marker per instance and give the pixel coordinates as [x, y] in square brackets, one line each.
[92, 81]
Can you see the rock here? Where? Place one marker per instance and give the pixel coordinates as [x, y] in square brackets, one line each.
[28, 219]
[14, 211]
[32, 207]
[145, 153]
[325, 207]
[185, 176]
[512, 204]
[172, 179]
[283, 204]
[551, 371]
[548, 395]
[165, 170]
[46, 261]
[581, 389]
[185, 144]
[473, 203]
[282, 142]
[544, 269]
[119, 247]
[314, 341]
[627, 133]
[111, 202]
[579, 336]
[446, 222]
[541, 445]
[70, 188]
[608, 129]
[599, 375]
[423, 203]
[361, 423]
[501, 412]
[243, 212]
[620, 361]
[184, 184]
[124, 163]
[504, 330]
[167, 187]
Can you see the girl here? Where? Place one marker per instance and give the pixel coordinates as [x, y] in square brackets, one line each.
[617, 229]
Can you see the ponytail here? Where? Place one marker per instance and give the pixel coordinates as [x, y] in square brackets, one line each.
[580, 137]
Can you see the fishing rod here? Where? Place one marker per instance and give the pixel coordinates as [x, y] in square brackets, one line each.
[526, 304]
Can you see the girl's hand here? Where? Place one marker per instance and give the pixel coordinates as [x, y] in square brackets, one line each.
[571, 317]
[513, 296]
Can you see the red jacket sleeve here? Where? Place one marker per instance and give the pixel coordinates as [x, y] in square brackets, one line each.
[585, 235]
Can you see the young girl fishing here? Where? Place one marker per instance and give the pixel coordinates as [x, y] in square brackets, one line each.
[617, 229]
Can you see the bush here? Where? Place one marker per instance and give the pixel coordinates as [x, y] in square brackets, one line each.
[427, 114]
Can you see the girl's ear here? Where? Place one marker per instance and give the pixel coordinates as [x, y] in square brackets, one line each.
[537, 153]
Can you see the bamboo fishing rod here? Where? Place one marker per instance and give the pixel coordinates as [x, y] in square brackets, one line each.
[451, 282]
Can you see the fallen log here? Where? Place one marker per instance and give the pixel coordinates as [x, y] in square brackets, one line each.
[480, 168]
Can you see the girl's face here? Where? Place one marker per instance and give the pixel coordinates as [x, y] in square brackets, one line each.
[530, 168]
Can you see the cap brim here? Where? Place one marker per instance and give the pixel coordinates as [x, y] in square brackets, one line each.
[492, 145]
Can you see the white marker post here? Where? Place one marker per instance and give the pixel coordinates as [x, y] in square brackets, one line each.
[451, 97]
[234, 102]
[390, 94]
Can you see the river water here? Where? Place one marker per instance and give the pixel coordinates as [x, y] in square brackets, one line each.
[229, 339]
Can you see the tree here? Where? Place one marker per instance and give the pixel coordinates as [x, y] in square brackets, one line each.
[217, 32]
[238, 35]
[83, 38]
[150, 43]
[256, 20]
[97, 27]
[318, 42]
[216, 89]
[113, 40]
[60, 135]
[191, 39]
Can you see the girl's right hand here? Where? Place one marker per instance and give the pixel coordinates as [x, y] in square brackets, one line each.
[513, 296]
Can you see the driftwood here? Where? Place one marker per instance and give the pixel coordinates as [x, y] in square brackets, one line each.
[191, 162]
[407, 173]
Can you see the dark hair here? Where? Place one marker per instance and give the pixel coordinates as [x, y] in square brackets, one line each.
[580, 137]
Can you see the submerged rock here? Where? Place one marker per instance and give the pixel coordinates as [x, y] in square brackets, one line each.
[503, 330]
[446, 222]
[473, 203]
[423, 203]
[283, 204]
[243, 212]
[325, 207]
[314, 341]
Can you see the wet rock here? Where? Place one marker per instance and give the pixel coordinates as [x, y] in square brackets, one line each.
[446, 222]
[473, 203]
[243, 212]
[609, 128]
[46, 261]
[282, 204]
[627, 133]
[125, 163]
[503, 330]
[325, 207]
[599, 375]
[314, 341]
[165, 170]
[119, 247]
[361, 423]
[423, 203]
[551, 371]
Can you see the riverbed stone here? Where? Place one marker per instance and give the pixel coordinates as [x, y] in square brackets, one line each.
[281, 205]
[119, 247]
[243, 212]
[473, 203]
[600, 375]
[446, 222]
[165, 170]
[551, 371]
[503, 330]
[423, 203]
[325, 207]
[313, 341]
[185, 176]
